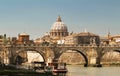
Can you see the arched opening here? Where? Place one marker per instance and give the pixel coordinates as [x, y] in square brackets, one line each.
[27, 57]
[74, 57]
[111, 58]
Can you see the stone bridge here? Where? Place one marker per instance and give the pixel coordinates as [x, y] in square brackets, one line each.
[10, 52]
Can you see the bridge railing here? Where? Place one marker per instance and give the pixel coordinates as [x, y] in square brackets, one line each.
[58, 45]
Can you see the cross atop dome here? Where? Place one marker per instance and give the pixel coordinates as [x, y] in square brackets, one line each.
[59, 19]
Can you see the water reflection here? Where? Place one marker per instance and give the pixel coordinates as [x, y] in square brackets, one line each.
[76, 70]
[61, 74]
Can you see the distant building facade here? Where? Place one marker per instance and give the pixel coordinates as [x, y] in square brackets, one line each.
[83, 38]
[23, 38]
[114, 40]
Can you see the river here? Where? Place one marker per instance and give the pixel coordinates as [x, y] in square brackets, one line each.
[76, 70]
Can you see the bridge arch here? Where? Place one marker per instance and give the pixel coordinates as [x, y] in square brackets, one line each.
[80, 52]
[24, 50]
[111, 57]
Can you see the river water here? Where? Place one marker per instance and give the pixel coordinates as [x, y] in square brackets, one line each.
[76, 70]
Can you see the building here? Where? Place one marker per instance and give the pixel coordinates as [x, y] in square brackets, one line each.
[113, 40]
[4, 39]
[58, 29]
[104, 40]
[83, 38]
[57, 32]
[23, 38]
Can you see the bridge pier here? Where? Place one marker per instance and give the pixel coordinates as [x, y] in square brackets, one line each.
[98, 59]
[95, 62]
[55, 60]
[85, 65]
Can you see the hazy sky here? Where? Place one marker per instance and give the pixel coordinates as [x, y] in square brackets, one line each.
[35, 17]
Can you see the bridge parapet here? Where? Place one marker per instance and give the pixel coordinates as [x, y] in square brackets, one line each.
[58, 49]
[59, 45]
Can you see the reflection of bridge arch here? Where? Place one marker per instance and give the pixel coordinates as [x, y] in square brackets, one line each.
[24, 50]
[84, 56]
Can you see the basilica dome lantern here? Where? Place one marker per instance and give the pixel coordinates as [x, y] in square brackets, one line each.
[58, 29]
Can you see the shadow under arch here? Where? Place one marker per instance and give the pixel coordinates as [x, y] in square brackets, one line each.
[117, 50]
[85, 57]
[20, 50]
